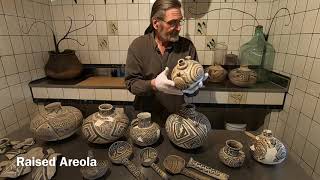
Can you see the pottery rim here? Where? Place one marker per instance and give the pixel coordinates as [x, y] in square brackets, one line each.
[105, 109]
[234, 145]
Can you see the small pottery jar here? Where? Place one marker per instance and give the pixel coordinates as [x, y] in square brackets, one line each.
[186, 73]
[243, 76]
[231, 154]
[266, 148]
[216, 73]
[105, 126]
[143, 131]
[187, 128]
[56, 122]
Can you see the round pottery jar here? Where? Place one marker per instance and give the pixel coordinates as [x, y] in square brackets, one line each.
[56, 122]
[243, 76]
[105, 126]
[186, 73]
[143, 131]
[231, 154]
[216, 73]
[188, 128]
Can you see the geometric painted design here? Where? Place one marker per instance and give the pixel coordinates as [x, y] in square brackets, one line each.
[57, 124]
[184, 132]
[104, 130]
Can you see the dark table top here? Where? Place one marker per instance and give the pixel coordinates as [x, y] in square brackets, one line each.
[76, 147]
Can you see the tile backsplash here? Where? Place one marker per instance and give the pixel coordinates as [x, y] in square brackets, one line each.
[118, 23]
[298, 56]
[22, 58]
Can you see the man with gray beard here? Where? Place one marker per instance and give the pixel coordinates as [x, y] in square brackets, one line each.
[152, 57]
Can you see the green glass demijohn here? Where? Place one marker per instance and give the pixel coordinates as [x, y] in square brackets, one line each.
[258, 54]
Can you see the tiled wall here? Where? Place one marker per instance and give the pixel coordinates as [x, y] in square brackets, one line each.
[22, 58]
[119, 22]
[298, 56]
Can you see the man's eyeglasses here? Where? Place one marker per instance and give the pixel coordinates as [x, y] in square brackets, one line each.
[174, 23]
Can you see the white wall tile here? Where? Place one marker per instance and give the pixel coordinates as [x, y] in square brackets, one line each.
[39, 92]
[5, 98]
[9, 7]
[103, 94]
[315, 73]
[255, 98]
[298, 144]
[297, 99]
[309, 105]
[274, 98]
[21, 110]
[16, 93]
[303, 125]
[9, 65]
[87, 94]
[55, 93]
[314, 133]
[70, 93]
[8, 116]
[133, 11]
[119, 94]
[310, 154]
[122, 11]
[5, 46]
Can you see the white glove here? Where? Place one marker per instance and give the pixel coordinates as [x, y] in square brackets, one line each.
[195, 86]
[163, 84]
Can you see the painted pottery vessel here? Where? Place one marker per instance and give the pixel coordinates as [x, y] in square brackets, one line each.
[105, 126]
[11, 168]
[231, 154]
[186, 73]
[56, 122]
[243, 76]
[4, 143]
[119, 153]
[46, 172]
[187, 128]
[95, 172]
[206, 169]
[216, 73]
[143, 131]
[267, 149]
[177, 165]
[148, 157]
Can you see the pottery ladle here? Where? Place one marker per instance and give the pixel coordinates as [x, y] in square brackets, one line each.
[148, 157]
[119, 153]
[206, 170]
[176, 165]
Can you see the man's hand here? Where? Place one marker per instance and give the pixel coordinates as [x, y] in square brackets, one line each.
[195, 86]
[163, 84]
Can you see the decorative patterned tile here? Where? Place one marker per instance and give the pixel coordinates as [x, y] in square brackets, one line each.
[237, 97]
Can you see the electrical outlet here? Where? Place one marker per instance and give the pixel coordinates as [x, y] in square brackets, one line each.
[210, 42]
[201, 27]
[112, 27]
[103, 43]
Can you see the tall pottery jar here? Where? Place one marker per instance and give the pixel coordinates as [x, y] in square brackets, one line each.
[56, 122]
[65, 65]
[143, 131]
[187, 128]
[105, 126]
[231, 154]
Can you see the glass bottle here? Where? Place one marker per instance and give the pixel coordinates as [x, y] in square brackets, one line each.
[258, 54]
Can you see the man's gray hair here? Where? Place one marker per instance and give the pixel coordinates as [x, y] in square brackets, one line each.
[159, 9]
[160, 6]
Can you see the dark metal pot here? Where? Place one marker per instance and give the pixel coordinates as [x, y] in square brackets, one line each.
[65, 65]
